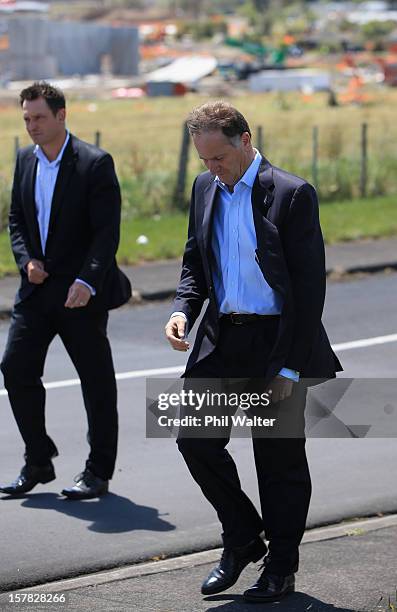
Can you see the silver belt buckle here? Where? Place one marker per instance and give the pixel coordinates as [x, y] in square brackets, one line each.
[232, 315]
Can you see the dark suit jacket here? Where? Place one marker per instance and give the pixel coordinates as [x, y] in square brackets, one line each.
[83, 233]
[290, 254]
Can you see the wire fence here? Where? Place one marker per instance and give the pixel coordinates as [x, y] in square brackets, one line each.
[342, 164]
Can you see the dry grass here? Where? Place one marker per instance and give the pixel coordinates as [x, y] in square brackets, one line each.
[144, 137]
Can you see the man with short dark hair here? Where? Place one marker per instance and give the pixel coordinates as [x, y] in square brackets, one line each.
[255, 250]
[64, 227]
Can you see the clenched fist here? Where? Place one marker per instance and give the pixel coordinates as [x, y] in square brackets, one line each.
[36, 272]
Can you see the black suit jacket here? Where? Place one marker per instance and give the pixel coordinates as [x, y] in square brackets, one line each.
[84, 227]
[290, 254]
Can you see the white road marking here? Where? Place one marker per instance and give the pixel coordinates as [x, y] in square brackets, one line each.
[347, 346]
[343, 346]
[73, 382]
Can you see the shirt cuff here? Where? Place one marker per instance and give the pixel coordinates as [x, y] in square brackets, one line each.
[179, 314]
[78, 280]
[291, 374]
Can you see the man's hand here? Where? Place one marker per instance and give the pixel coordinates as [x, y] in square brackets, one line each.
[281, 388]
[36, 272]
[78, 296]
[175, 332]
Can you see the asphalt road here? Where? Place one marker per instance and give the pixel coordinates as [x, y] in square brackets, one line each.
[155, 508]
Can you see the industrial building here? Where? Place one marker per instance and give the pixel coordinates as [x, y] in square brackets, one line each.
[35, 47]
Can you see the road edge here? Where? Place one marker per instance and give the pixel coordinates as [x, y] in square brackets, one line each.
[347, 528]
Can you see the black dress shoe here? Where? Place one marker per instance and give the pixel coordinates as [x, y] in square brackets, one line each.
[30, 476]
[87, 486]
[270, 587]
[232, 563]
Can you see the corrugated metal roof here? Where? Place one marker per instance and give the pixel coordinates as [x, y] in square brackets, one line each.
[184, 70]
[15, 7]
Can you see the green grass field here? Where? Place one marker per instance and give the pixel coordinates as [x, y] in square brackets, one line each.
[369, 218]
[144, 137]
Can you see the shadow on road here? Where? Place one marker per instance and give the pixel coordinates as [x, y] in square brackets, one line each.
[109, 514]
[297, 602]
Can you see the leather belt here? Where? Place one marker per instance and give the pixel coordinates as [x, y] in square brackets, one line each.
[237, 318]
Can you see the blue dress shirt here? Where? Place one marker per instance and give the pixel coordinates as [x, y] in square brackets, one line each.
[238, 281]
[46, 178]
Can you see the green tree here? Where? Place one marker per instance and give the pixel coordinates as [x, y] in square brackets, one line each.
[377, 30]
[276, 18]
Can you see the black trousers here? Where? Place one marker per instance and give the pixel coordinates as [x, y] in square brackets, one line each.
[34, 324]
[281, 465]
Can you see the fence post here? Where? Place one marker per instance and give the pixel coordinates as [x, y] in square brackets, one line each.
[16, 146]
[315, 156]
[182, 168]
[98, 139]
[364, 160]
[259, 138]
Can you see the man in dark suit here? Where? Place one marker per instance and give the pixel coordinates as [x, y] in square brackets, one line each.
[255, 250]
[64, 227]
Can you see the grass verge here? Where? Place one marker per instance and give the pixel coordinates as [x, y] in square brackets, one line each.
[166, 234]
[357, 219]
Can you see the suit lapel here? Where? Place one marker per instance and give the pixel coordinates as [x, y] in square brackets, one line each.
[269, 250]
[208, 216]
[66, 169]
[30, 203]
[262, 199]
